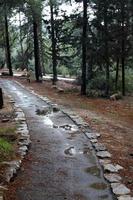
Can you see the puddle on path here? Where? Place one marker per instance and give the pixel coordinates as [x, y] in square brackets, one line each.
[94, 170]
[72, 135]
[103, 197]
[98, 186]
[86, 151]
[70, 151]
[43, 111]
[79, 196]
[47, 121]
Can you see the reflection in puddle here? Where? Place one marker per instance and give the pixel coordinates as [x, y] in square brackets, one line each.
[70, 151]
[78, 196]
[44, 111]
[86, 150]
[93, 170]
[98, 186]
[47, 121]
[103, 197]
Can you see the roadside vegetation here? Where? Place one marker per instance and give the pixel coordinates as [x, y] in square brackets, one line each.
[8, 137]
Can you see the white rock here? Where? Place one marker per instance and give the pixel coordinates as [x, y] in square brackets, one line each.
[125, 197]
[119, 189]
[119, 167]
[99, 147]
[104, 161]
[111, 168]
[92, 135]
[103, 154]
[1, 197]
[23, 148]
[2, 188]
[112, 178]
[93, 140]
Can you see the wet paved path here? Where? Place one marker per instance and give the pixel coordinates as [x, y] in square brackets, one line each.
[60, 163]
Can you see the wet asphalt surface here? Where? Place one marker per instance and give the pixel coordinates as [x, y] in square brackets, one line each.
[61, 163]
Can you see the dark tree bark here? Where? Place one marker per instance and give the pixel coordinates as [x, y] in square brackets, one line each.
[117, 74]
[21, 42]
[106, 50]
[8, 53]
[1, 99]
[54, 56]
[84, 37]
[90, 71]
[123, 47]
[38, 72]
[42, 52]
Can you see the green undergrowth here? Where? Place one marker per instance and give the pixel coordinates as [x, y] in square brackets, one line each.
[7, 140]
[6, 149]
[7, 130]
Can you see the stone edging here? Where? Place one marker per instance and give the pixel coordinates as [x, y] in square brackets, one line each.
[110, 170]
[23, 144]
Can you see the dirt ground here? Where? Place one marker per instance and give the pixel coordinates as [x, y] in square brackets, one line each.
[7, 129]
[112, 119]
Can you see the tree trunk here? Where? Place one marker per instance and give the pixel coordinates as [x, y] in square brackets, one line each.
[54, 56]
[123, 47]
[21, 42]
[90, 72]
[38, 72]
[1, 99]
[106, 51]
[8, 53]
[84, 37]
[117, 74]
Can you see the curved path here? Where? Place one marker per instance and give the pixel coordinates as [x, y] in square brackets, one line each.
[61, 163]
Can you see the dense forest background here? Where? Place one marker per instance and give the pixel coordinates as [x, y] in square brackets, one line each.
[89, 40]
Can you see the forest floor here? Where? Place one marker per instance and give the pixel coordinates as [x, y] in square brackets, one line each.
[8, 137]
[112, 119]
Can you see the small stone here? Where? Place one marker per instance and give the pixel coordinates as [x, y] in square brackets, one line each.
[104, 161]
[110, 168]
[125, 197]
[119, 167]
[131, 154]
[2, 188]
[67, 127]
[5, 120]
[112, 178]
[11, 101]
[23, 148]
[56, 109]
[24, 142]
[130, 181]
[55, 126]
[14, 163]
[10, 173]
[103, 154]
[60, 90]
[54, 87]
[92, 135]
[20, 119]
[99, 147]
[93, 140]
[119, 189]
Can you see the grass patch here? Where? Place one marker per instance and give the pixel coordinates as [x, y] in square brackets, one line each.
[6, 149]
[71, 90]
[6, 130]
[8, 133]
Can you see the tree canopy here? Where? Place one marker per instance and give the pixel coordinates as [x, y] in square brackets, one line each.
[93, 42]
